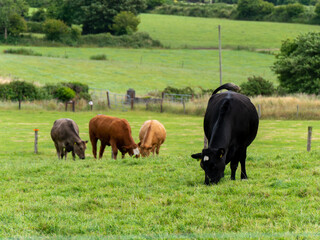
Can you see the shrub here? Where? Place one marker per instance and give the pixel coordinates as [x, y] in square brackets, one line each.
[20, 90]
[257, 86]
[297, 64]
[77, 87]
[172, 90]
[35, 27]
[125, 23]
[22, 51]
[99, 57]
[55, 30]
[64, 94]
[17, 25]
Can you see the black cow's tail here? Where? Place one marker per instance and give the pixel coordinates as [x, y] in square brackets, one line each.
[227, 86]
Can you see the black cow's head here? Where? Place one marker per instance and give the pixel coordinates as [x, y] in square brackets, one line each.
[213, 164]
[80, 148]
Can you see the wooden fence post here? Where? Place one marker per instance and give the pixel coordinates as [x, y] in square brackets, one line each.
[162, 97]
[73, 106]
[35, 140]
[309, 139]
[184, 106]
[297, 110]
[66, 106]
[259, 111]
[19, 104]
[108, 99]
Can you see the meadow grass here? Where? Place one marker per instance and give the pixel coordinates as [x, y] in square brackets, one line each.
[158, 197]
[193, 32]
[144, 70]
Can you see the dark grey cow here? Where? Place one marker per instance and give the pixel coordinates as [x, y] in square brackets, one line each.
[65, 135]
[230, 125]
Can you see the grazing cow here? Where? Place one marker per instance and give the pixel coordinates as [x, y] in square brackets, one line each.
[65, 135]
[152, 134]
[114, 132]
[230, 125]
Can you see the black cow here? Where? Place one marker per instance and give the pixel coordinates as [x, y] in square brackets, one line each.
[230, 125]
[65, 135]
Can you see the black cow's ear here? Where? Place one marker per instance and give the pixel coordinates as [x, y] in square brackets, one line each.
[197, 156]
[221, 152]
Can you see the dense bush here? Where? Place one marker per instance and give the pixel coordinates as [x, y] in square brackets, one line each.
[125, 23]
[298, 63]
[22, 51]
[253, 9]
[173, 90]
[64, 94]
[135, 40]
[20, 90]
[217, 10]
[257, 86]
[99, 57]
[55, 30]
[17, 25]
[34, 27]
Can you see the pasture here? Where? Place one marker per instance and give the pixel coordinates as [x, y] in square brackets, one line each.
[157, 197]
[193, 32]
[144, 70]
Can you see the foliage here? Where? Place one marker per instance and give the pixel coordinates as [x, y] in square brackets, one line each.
[253, 9]
[217, 10]
[38, 3]
[136, 40]
[99, 57]
[95, 16]
[20, 90]
[22, 51]
[55, 30]
[125, 23]
[77, 87]
[9, 8]
[17, 25]
[35, 27]
[257, 86]
[298, 63]
[64, 94]
[39, 15]
[173, 90]
[151, 4]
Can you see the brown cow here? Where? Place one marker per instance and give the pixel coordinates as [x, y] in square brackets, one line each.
[152, 134]
[114, 132]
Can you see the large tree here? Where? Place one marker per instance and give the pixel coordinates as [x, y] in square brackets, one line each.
[298, 64]
[9, 8]
[96, 16]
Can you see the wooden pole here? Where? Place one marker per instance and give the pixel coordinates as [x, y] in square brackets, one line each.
[19, 104]
[66, 106]
[162, 97]
[73, 106]
[297, 111]
[36, 140]
[108, 99]
[132, 100]
[184, 106]
[259, 110]
[220, 60]
[309, 139]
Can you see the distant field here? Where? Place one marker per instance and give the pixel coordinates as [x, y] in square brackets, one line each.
[156, 198]
[192, 32]
[142, 69]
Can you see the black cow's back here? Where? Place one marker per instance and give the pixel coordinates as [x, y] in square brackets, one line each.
[231, 117]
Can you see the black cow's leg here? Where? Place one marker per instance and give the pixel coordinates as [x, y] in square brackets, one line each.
[73, 156]
[206, 180]
[243, 164]
[58, 151]
[233, 166]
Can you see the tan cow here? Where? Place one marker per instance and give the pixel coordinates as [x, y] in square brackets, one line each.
[152, 134]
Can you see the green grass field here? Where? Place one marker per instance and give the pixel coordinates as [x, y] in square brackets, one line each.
[142, 69]
[192, 32]
[158, 197]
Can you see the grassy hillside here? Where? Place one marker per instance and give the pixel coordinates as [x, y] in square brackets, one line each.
[192, 32]
[141, 69]
[162, 197]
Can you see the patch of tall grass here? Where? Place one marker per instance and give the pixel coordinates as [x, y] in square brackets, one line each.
[285, 108]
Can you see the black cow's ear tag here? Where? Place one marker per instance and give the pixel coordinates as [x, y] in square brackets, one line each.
[75, 143]
[221, 155]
